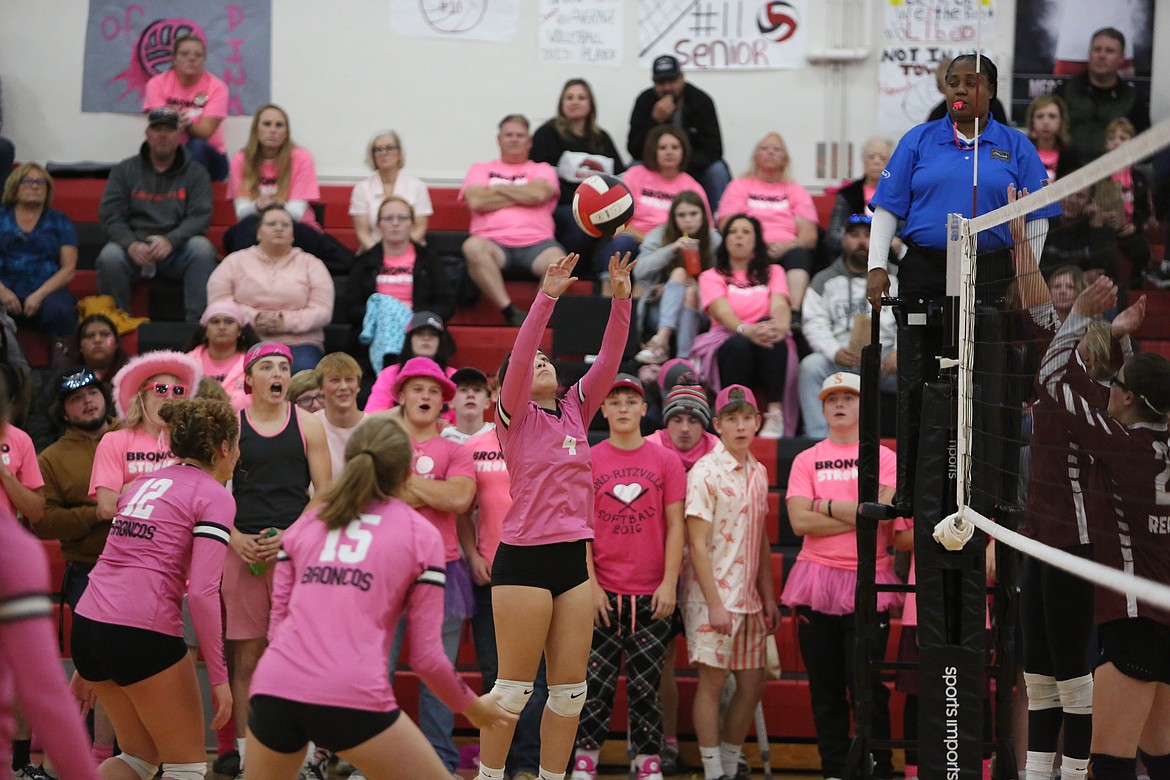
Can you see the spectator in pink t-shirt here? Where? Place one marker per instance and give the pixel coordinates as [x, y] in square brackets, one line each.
[783, 207]
[512, 201]
[425, 337]
[822, 507]
[21, 484]
[220, 342]
[201, 100]
[633, 562]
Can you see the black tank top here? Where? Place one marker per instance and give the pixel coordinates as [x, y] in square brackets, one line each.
[271, 481]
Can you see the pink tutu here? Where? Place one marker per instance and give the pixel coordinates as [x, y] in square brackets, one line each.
[830, 590]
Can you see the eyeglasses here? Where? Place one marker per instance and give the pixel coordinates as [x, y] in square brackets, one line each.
[34, 182]
[384, 149]
[1119, 383]
[77, 381]
[306, 401]
[163, 389]
[395, 218]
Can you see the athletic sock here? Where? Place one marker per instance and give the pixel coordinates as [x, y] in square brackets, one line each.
[1113, 767]
[729, 758]
[1073, 768]
[240, 743]
[1157, 766]
[21, 753]
[546, 774]
[225, 737]
[101, 751]
[490, 774]
[507, 311]
[712, 766]
[1039, 766]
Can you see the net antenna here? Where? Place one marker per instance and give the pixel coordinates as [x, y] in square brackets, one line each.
[964, 234]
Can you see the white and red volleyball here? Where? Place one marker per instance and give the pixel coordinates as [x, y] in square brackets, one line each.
[602, 205]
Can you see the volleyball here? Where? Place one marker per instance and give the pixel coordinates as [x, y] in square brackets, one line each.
[602, 205]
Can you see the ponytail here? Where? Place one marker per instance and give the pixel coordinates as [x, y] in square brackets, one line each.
[378, 459]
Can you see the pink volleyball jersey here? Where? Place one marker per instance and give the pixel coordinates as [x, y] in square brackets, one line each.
[492, 486]
[548, 452]
[30, 669]
[352, 585]
[124, 455]
[20, 457]
[829, 471]
[631, 490]
[172, 527]
[439, 458]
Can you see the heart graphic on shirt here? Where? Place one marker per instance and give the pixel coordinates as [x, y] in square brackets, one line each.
[627, 494]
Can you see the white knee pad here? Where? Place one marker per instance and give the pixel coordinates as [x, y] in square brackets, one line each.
[1042, 692]
[193, 771]
[513, 695]
[141, 768]
[568, 699]
[1076, 695]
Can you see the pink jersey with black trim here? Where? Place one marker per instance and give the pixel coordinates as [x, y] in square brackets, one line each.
[30, 669]
[548, 452]
[352, 585]
[172, 527]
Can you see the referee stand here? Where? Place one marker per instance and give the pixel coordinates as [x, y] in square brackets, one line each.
[951, 585]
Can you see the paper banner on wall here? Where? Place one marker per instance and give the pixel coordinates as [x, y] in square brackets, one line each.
[129, 41]
[916, 37]
[731, 35]
[581, 32]
[456, 20]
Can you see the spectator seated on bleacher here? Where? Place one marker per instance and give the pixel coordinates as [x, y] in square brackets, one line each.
[512, 201]
[271, 169]
[392, 279]
[386, 156]
[38, 255]
[201, 100]
[854, 197]
[284, 291]
[1079, 237]
[425, 337]
[156, 209]
[220, 342]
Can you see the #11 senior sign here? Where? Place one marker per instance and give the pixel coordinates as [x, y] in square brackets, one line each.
[744, 35]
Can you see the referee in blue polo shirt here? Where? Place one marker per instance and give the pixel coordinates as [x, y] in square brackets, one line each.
[928, 177]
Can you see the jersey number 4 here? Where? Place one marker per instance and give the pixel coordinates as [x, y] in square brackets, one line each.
[357, 541]
[140, 506]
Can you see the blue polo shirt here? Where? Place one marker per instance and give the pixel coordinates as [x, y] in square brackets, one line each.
[929, 176]
[28, 259]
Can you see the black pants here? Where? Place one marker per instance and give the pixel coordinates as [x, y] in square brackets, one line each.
[743, 363]
[827, 646]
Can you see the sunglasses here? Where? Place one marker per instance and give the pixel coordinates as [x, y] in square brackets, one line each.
[77, 381]
[163, 389]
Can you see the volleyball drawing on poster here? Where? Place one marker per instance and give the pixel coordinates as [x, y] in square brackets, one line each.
[129, 41]
[456, 20]
[743, 35]
[916, 37]
[581, 32]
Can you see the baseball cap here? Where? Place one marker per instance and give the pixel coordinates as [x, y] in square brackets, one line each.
[76, 380]
[687, 399]
[425, 319]
[665, 67]
[735, 395]
[627, 382]
[163, 115]
[858, 220]
[840, 381]
[469, 375]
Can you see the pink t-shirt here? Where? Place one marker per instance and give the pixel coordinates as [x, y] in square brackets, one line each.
[124, 455]
[513, 225]
[492, 490]
[653, 193]
[30, 669]
[229, 373]
[396, 278]
[631, 490]
[1049, 158]
[829, 471]
[705, 444]
[302, 183]
[382, 393]
[775, 204]
[20, 457]
[439, 458]
[749, 302]
[172, 527]
[206, 97]
[352, 585]
[548, 453]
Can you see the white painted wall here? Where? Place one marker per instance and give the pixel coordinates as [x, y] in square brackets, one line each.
[342, 75]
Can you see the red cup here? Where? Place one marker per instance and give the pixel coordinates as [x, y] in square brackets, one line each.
[691, 261]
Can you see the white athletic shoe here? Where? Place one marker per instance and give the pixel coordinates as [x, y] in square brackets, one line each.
[583, 769]
[773, 427]
[31, 772]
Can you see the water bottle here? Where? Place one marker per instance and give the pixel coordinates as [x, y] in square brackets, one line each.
[259, 567]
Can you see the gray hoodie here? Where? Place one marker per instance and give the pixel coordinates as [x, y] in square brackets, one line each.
[139, 201]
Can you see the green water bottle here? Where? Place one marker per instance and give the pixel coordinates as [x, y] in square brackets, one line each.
[260, 567]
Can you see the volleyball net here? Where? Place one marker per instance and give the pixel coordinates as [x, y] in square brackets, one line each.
[1017, 278]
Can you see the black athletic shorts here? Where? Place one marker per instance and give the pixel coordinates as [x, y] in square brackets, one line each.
[287, 726]
[1138, 647]
[126, 655]
[558, 567]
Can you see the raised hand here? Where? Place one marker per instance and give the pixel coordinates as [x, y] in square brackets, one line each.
[1098, 297]
[559, 276]
[1130, 319]
[1019, 225]
[619, 275]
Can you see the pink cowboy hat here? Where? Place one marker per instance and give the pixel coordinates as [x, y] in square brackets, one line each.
[130, 379]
